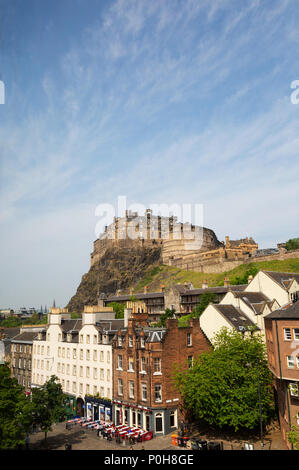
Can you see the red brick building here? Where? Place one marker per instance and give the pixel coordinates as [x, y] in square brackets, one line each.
[143, 359]
[282, 339]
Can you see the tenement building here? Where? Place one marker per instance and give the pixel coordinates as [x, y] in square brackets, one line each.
[282, 340]
[79, 353]
[144, 358]
[21, 354]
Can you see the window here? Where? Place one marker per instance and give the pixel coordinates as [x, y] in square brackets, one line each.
[87, 389]
[68, 353]
[158, 393]
[142, 342]
[296, 334]
[68, 369]
[108, 356]
[81, 338]
[88, 339]
[120, 341]
[102, 391]
[108, 374]
[297, 360]
[119, 362]
[95, 389]
[157, 364]
[120, 386]
[189, 339]
[81, 354]
[74, 354]
[142, 364]
[74, 387]
[287, 334]
[172, 419]
[87, 372]
[131, 389]
[87, 354]
[144, 392]
[94, 355]
[130, 341]
[190, 361]
[95, 339]
[81, 389]
[102, 356]
[102, 374]
[74, 370]
[81, 371]
[131, 364]
[290, 362]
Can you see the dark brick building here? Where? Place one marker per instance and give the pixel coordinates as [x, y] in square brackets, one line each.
[143, 360]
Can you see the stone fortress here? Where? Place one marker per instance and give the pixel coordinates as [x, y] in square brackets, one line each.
[183, 245]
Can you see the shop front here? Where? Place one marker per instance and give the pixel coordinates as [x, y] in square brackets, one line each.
[98, 409]
[70, 406]
[160, 421]
[132, 415]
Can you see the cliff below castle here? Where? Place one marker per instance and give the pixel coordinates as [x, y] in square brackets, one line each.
[120, 267]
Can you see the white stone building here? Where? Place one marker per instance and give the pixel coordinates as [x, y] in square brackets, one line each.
[79, 353]
[265, 293]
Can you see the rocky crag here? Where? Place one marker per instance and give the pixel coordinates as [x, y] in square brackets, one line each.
[118, 268]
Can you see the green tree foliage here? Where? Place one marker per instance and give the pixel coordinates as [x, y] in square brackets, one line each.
[293, 437]
[11, 322]
[48, 404]
[168, 314]
[15, 411]
[222, 386]
[251, 271]
[204, 300]
[292, 244]
[118, 309]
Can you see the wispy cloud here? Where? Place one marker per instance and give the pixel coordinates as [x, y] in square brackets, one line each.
[161, 101]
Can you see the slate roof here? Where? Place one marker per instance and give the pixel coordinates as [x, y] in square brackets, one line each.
[26, 337]
[283, 278]
[289, 312]
[215, 290]
[234, 316]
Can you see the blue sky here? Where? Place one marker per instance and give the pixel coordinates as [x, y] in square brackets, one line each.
[161, 101]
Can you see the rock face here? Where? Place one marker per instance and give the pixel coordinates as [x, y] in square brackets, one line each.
[119, 268]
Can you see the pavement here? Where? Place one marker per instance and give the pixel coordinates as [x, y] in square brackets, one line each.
[87, 439]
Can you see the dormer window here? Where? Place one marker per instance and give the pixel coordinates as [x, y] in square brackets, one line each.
[120, 341]
[130, 341]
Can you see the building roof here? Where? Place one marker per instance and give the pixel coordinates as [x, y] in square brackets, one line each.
[214, 290]
[11, 332]
[283, 278]
[290, 311]
[26, 337]
[234, 316]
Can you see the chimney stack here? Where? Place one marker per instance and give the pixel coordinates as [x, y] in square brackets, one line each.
[226, 281]
[131, 290]
[145, 289]
[204, 284]
[162, 287]
[250, 277]
[127, 315]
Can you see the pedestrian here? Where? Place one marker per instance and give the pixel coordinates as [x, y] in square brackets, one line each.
[27, 442]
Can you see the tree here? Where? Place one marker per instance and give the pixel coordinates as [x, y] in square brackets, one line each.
[48, 404]
[251, 271]
[15, 411]
[169, 312]
[292, 244]
[118, 309]
[204, 300]
[293, 437]
[11, 322]
[222, 386]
